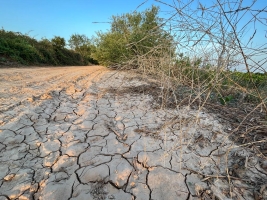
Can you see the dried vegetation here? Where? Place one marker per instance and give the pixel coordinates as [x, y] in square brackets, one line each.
[213, 43]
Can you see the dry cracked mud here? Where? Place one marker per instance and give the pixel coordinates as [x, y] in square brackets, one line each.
[74, 135]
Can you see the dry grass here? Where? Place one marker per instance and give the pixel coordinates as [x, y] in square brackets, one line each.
[182, 83]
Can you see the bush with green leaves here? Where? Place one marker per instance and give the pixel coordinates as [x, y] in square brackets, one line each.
[28, 51]
[18, 47]
[81, 44]
[133, 35]
[58, 42]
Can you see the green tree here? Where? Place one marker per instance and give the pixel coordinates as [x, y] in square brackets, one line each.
[84, 46]
[58, 42]
[132, 35]
[110, 48]
[81, 44]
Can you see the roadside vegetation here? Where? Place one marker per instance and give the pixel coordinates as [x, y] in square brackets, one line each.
[201, 52]
[22, 49]
[207, 58]
[131, 36]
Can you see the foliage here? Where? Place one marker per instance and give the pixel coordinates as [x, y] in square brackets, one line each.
[82, 44]
[227, 86]
[28, 51]
[58, 42]
[79, 43]
[110, 49]
[226, 99]
[249, 79]
[131, 35]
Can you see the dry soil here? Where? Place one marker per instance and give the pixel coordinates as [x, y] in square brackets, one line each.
[69, 133]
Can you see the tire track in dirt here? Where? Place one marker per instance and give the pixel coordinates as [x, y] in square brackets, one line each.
[33, 84]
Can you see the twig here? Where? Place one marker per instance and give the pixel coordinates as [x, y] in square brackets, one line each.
[120, 136]
[213, 176]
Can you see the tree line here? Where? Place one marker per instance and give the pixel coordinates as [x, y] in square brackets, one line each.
[130, 35]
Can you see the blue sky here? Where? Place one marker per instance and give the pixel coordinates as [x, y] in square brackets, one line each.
[47, 18]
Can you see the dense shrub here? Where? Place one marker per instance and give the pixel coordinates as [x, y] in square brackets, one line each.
[26, 50]
[133, 35]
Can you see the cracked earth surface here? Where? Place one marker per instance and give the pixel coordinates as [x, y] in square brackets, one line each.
[74, 136]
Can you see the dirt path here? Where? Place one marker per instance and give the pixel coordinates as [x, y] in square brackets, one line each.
[26, 85]
[18, 84]
[79, 133]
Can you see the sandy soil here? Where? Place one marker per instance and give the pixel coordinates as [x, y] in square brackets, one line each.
[80, 133]
[24, 85]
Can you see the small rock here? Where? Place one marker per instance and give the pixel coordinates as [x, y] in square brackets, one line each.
[9, 177]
